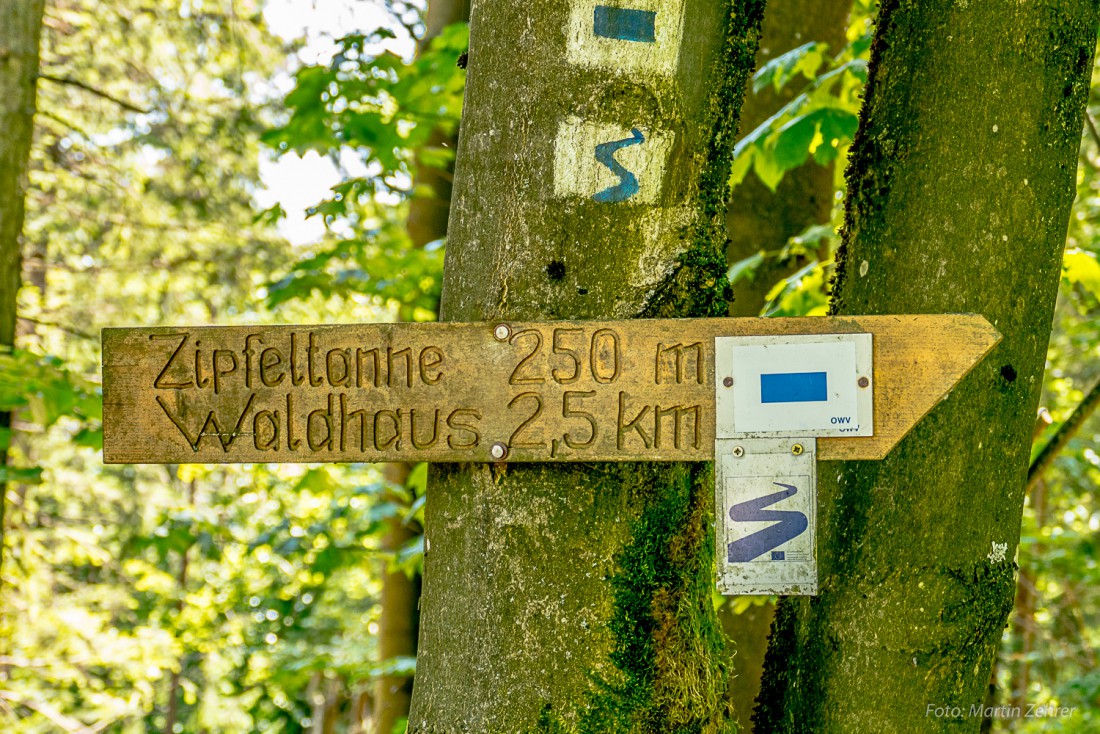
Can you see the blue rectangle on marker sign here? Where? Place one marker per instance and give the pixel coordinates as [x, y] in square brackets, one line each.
[794, 387]
[625, 24]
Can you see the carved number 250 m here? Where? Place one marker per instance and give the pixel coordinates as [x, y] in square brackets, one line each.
[569, 347]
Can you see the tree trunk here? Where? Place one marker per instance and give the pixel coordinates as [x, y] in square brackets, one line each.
[1023, 622]
[747, 632]
[579, 596]
[960, 183]
[760, 219]
[20, 28]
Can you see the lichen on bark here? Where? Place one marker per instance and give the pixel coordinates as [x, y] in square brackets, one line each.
[670, 670]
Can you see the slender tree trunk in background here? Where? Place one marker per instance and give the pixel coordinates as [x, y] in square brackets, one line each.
[334, 695]
[1023, 622]
[960, 184]
[760, 219]
[747, 632]
[1024, 605]
[399, 623]
[560, 596]
[428, 214]
[361, 712]
[172, 714]
[20, 29]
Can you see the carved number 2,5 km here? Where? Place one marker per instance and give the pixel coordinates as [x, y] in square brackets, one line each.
[570, 408]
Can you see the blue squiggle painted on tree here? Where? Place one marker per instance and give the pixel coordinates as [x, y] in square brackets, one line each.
[788, 525]
[628, 182]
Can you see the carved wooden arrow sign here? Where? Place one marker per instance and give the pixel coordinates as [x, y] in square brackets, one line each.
[641, 390]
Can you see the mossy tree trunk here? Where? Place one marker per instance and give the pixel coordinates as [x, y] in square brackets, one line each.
[757, 219]
[578, 597]
[20, 28]
[960, 184]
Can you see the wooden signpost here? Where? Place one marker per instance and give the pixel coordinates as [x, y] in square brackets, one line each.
[640, 390]
[565, 391]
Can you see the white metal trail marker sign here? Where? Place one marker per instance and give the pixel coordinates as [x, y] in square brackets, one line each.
[763, 398]
[775, 396]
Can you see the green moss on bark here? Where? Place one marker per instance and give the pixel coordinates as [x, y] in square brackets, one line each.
[668, 646]
[868, 172]
[699, 287]
[669, 653]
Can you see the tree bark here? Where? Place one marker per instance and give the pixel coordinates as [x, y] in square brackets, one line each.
[20, 28]
[760, 219]
[578, 597]
[958, 201]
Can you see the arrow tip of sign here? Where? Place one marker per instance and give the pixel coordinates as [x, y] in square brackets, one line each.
[981, 323]
[919, 360]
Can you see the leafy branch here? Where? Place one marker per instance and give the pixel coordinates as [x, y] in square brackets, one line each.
[820, 121]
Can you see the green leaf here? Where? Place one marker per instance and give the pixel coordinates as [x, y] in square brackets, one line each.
[42, 384]
[410, 557]
[745, 268]
[404, 665]
[800, 294]
[804, 60]
[837, 128]
[742, 162]
[90, 438]
[741, 604]
[418, 479]
[768, 170]
[21, 475]
[415, 510]
[814, 234]
[792, 144]
[1082, 268]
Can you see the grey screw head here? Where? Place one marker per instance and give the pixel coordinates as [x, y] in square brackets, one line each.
[498, 450]
[738, 451]
[728, 382]
[797, 449]
[502, 332]
[863, 382]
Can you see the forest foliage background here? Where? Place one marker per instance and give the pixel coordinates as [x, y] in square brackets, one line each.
[247, 598]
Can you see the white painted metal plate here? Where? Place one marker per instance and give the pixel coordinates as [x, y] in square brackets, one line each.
[766, 507]
[637, 37]
[819, 385]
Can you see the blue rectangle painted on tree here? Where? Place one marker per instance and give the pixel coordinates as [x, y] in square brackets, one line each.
[794, 387]
[625, 24]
